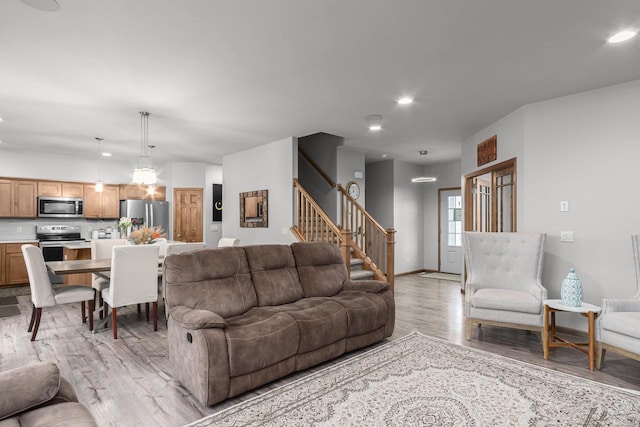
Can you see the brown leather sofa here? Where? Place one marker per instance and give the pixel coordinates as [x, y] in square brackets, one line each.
[36, 395]
[244, 316]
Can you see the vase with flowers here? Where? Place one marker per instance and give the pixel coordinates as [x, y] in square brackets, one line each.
[146, 235]
[124, 225]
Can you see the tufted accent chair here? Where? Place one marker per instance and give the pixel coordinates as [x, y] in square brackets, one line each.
[503, 285]
[618, 326]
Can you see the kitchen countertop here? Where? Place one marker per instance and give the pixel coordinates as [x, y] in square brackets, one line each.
[20, 241]
[77, 245]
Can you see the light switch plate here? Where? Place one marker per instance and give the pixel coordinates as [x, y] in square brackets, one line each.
[566, 236]
[564, 206]
[214, 228]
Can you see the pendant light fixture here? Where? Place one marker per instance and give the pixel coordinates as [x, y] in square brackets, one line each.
[144, 173]
[99, 184]
[424, 178]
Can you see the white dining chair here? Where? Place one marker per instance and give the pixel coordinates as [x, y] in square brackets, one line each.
[134, 280]
[43, 294]
[101, 249]
[176, 248]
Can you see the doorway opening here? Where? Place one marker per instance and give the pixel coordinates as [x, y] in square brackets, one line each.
[490, 198]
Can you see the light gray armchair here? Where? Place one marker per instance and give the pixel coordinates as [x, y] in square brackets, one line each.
[503, 284]
[618, 326]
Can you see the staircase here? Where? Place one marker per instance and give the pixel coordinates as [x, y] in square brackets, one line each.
[367, 248]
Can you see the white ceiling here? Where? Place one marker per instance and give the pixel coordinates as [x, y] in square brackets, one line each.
[223, 76]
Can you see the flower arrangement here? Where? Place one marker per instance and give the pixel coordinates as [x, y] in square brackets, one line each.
[124, 225]
[146, 235]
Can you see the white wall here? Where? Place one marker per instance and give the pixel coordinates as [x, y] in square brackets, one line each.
[584, 149]
[449, 176]
[408, 203]
[379, 178]
[268, 167]
[350, 161]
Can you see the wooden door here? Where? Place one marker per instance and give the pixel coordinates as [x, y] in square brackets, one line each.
[450, 225]
[187, 214]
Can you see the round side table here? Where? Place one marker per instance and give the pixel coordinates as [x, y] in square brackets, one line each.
[551, 340]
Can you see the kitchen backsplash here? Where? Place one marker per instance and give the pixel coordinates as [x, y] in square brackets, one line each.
[25, 229]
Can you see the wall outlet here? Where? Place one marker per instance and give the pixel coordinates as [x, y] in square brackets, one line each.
[566, 236]
[285, 231]
[18, 229]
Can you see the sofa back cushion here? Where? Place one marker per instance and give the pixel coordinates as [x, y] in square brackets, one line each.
[321, 268]
[217, 280]
[274, 274]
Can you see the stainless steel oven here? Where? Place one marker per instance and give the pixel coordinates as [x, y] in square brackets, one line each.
[52, 238]
[60, 207]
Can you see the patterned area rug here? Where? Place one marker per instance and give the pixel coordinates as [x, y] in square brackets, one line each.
[423, 381]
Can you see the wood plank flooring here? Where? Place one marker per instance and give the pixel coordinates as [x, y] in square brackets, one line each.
[128, 382]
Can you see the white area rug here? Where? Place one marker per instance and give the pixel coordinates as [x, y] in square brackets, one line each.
[422, 381]
[443, 276]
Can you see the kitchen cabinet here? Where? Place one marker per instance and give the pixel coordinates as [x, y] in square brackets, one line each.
[105, 204]
[13, 270]
[60, 189]
[71, 254]
[17, 198]
[139, 192]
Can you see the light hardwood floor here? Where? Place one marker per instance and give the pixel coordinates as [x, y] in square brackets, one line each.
[128, 382]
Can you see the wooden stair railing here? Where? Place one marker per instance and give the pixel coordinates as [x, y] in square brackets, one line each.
[372, 244]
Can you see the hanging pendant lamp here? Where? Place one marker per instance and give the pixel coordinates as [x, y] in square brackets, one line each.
[424, 178]
[144, 173]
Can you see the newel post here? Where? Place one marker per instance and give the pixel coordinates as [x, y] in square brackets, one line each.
[346, 249]
[390, 256]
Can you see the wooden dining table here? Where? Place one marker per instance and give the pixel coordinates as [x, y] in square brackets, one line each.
[97, 266]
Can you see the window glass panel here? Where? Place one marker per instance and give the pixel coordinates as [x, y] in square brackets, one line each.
[458, 239]
[458, 227]
[452, 239]
[452, 202]
[458, 202]
[457, 214]
[452, 227]
[451, 213]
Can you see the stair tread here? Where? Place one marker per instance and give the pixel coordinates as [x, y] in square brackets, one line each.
[361, 274]
[356, 261]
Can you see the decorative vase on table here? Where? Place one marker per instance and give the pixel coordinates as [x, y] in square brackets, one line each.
[571, 290]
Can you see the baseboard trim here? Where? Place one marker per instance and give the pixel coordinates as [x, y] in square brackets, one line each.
[424, 270]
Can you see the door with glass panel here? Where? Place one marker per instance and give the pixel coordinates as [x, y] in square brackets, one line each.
[490, 199]
[450, 254]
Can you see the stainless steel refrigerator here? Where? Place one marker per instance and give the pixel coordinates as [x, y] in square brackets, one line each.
[146, 213]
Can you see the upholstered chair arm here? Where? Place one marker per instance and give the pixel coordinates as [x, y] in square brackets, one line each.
[539, 291]
[372, 286]
[27, 386]
[629, 304]
[191, 318]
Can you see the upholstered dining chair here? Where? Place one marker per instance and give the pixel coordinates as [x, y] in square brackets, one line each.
[44, 295]
[101, 249]
[228, 241]
[134, 280]
[618, 325]
[503, 284]
[176, 248]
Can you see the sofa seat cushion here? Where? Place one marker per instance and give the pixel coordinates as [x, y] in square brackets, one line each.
[274, 274]
[626, 323]
[321, 322]
[506, 300]
[260, 338]
[366, 312]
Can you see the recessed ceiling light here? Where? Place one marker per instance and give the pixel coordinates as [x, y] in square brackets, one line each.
[405, 100]
[622, 36]
[106, 154]
[384, 155]
[375, 127]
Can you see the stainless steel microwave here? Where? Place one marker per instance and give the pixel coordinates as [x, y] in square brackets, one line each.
[60, 207]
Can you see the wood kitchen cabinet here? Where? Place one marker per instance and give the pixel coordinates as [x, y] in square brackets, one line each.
[60, 189]
[13, 270]
[139, 192]
[81, 278]
[101, 205]
[18, 198]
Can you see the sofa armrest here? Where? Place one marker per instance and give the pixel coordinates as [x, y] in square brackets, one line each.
[628, 304]
[191, 318]
[372, 286]
[27, 386]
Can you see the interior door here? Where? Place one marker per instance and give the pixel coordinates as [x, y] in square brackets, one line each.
[187, 214]
[450, 254]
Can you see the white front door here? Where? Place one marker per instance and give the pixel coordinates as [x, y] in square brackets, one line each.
[451, 231]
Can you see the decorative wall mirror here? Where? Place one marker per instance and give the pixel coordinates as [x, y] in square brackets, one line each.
[254, 212]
